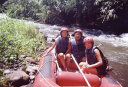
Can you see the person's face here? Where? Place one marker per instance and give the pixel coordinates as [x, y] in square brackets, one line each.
[64, 33]
[77, 36]
[88, 45]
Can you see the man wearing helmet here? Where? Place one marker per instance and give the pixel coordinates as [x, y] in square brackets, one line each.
[77, 46]
[94, 63]
[62, 47]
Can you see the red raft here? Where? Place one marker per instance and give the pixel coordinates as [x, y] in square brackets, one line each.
[49, 76]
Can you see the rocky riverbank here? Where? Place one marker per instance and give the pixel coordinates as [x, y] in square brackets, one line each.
[23, 71]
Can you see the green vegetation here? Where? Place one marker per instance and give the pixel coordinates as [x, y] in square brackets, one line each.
[25, 9]
[16, 38]
[99, 14]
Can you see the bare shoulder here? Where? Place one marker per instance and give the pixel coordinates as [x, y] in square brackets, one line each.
[96, 51]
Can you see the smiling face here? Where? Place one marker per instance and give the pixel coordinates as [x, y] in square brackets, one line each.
[64, 34]
[77, 36]
[88, 45]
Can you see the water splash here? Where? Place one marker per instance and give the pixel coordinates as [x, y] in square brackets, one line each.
[116, 41]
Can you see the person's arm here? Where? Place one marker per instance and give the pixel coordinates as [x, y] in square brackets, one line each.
[51, 48]
[98, 56]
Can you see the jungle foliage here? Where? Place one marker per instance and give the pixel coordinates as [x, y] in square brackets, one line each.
[101, 14]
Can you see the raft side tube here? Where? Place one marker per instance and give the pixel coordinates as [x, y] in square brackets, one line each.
[76, 79]
[108, 81]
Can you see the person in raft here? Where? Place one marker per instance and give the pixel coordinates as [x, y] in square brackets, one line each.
[94, 63]
[62, 47]
[77, 46]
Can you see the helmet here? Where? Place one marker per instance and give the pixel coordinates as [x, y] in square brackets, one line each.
[88, 39]
[79, 30]
[64, 29]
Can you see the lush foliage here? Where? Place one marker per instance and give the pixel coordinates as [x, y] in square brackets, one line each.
[113, 14]
[17, 37]
[103, 14]
[109, 9]
[28, 9]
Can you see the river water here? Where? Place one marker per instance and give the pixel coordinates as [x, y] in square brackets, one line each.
[115, 48]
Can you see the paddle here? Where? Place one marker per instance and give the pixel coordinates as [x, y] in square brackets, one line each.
[99, 45]
[81, 71]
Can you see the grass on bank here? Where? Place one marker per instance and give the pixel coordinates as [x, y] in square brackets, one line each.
[16, 38]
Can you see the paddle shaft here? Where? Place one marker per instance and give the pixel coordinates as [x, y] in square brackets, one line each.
[81, 71]
[57, 63]
[100, 45]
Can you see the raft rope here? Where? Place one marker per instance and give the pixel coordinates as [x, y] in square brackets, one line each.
[42, 74]
[81, 71]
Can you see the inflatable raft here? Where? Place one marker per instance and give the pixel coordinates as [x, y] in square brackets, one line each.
[49, 75]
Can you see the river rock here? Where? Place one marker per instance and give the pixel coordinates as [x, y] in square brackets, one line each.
[31, 60]
[32, 77]
[22, 56]
[7, 71]
[29, 85]
[31, 70]
[18, 78]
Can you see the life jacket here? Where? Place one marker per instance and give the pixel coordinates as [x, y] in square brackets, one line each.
[78, 50]
[62, 45]
[91, 58]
